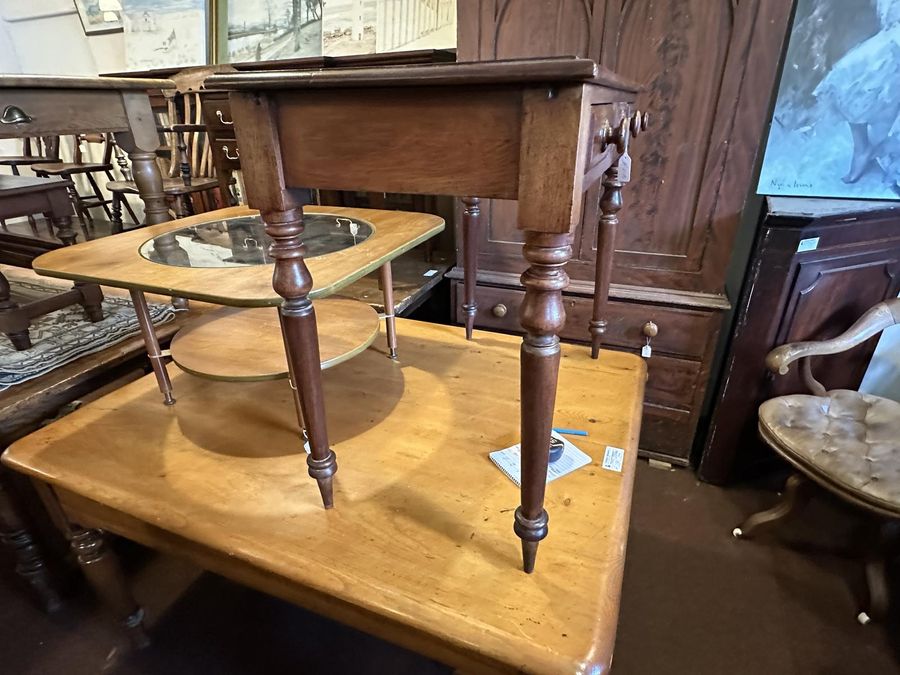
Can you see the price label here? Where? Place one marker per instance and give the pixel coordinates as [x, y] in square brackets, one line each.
[646, 351]
[625, 168]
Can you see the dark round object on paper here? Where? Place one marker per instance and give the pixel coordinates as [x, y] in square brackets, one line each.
[556, 449]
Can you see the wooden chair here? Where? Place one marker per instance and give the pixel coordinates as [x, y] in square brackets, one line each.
[190, 171]
[34, 151]
[83, 203]
[845, 441]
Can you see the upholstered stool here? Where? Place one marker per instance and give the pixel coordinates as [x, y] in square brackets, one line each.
[845, 441]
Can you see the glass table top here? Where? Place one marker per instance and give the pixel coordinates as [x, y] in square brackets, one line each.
[242, 241]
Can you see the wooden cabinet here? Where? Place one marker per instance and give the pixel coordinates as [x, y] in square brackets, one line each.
[708, 68]
[817, 266]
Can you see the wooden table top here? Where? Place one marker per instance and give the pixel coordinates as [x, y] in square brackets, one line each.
[543, 71]
[116, 261]
[76, 82]
[419, 547]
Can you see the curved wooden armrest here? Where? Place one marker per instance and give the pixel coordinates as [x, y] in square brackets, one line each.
[881, 316]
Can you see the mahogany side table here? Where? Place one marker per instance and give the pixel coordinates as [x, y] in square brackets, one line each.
[542, 131]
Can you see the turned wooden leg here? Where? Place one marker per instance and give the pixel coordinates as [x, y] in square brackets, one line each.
[101, 567]
[91, 300]
[610, 204]
[292, 381]
[293, 282]
[146, 175]
[542, 316]
[152, 344]
[471, 224]
[796, 493]
[64, 230]
[30, 564]
[117, 213]
[390, 321]
[13, 320]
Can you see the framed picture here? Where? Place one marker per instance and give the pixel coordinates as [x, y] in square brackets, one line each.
[836, 125]
[404, 26]
[165, 33]
[99, 16]
[265, 30]
[348, 27]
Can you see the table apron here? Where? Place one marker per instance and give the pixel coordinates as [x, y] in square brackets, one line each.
[57, 112]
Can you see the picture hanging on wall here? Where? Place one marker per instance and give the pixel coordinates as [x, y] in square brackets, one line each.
[348, 27]
[164, 33]
[404, 25]
[836, 125]
[99, 16]
[265, 30]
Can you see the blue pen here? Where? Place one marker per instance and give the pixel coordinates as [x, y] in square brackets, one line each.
[570, 432]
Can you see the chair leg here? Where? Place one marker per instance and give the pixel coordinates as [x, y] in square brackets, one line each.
[98, 194]
[13, 320]
[131, 214]
[116, 213]
[795, 495]
[91, 300]
[30, 563]
[101, 567]
[881, 543]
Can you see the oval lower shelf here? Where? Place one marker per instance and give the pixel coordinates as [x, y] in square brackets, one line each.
[246, 344]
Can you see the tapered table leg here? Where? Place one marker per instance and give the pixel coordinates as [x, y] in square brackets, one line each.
[471, 224]
[153, 351]
[610, 204]
[390, 321]
[292, 381]
[293, 282]
[103, 572]
[542, 316]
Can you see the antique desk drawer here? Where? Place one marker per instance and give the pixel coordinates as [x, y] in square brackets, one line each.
[46, 112]
[675, 372]
[217, 113]
[681, 331]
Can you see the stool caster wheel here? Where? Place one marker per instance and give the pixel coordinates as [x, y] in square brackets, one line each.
[737, 533]
[863, 618]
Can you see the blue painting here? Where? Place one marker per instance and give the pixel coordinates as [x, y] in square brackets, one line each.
[836, 125]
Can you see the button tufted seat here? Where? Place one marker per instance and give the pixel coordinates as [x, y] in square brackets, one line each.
[846, 439]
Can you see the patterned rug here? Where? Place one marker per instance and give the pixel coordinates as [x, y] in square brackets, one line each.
[66, 334]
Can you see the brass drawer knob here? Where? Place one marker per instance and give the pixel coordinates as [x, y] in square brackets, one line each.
[499, 310]
[650, 329]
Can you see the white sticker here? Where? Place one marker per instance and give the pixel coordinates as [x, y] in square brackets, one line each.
[430, 273]
[646, 351]
[613, 458]
[810, 244]
[625, 168]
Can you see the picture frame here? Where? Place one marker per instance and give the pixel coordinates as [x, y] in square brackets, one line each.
[100, 16]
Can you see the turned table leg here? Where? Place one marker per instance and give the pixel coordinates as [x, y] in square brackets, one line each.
[64, 230]
[293, 282]
[103, 572]
[471, 224]
[152, 343]
[610, 204]
[542, 316]
[13, 319]
[30, 564]
[390, 321]
[149, 183]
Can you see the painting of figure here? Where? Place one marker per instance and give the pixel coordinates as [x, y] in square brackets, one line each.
[835, 130]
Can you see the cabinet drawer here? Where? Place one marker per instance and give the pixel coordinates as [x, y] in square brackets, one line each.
[217, 113]
[681, 331]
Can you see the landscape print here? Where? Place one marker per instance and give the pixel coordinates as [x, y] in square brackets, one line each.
[164, 34]
[836, 126]
[264, 30]
[348, 27]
